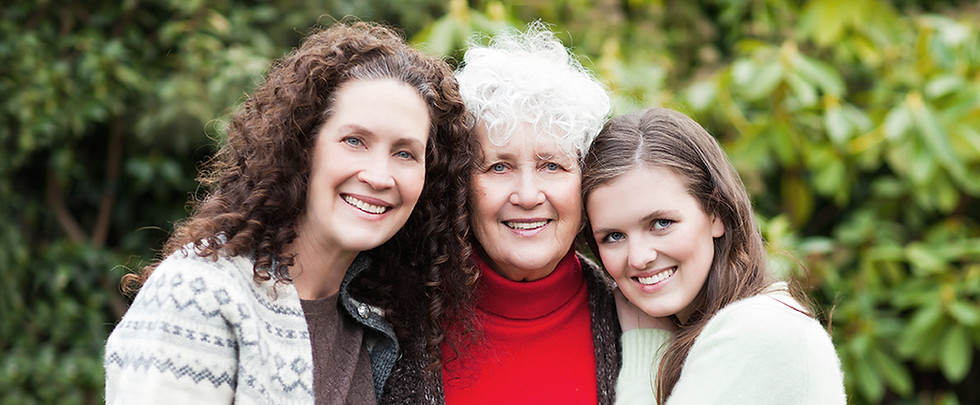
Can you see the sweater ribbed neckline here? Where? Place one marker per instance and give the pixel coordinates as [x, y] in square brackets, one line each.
[528, 300]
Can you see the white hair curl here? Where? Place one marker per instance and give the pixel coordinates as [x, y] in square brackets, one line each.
[530, 78]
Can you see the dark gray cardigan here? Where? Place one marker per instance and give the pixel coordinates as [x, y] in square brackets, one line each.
[409, 383]
[379, 336]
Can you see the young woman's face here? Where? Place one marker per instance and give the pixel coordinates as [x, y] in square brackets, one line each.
[525, 204]
[653, 239]
[368, 165]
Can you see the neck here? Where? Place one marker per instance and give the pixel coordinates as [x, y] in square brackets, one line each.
[317, 270]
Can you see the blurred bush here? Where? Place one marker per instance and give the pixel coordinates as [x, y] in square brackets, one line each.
[856, 126]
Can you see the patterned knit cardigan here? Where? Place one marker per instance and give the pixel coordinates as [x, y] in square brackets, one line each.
[202, 331]
[409, 383]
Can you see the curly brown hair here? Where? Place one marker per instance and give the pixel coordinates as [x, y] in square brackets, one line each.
[259, 179]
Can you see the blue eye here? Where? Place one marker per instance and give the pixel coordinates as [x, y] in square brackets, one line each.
[352, 141]
[614, 237]
[552, 166]
[662, 223]
[498, 167]
[405, 155]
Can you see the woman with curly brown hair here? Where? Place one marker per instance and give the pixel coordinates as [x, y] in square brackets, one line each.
[335, 221]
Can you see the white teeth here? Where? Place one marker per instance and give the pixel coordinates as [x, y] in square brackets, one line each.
[656, 278]
[525, 225]
[374, 209]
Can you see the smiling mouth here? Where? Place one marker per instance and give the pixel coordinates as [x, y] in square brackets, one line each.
[525, 226]
[364, 206]
[656, 278]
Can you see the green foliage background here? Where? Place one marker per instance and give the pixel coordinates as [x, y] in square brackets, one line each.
[855, 124]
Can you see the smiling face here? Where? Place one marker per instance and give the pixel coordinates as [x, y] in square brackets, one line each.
[525, 204]
[654, 239]
[368, 166]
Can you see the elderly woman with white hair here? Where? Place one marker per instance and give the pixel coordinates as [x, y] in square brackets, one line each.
[544, 316]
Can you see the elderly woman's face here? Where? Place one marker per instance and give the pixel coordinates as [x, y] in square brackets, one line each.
[525, 204]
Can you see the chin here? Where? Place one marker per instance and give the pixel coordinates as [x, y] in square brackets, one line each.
[364, 244]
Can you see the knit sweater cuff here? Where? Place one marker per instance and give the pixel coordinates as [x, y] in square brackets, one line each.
[642, 352]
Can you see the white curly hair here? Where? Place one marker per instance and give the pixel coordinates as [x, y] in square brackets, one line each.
[530, 78]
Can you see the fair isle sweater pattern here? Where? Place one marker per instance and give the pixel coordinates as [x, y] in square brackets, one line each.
[201, 330]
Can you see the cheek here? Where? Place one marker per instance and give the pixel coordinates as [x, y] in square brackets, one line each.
[413, 181]
[701, 250]
[481, 199]
[612, 261]
[567, 199]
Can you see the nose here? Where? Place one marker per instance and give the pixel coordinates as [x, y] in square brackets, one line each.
[642, 253]
[527, 193]
[377, 174]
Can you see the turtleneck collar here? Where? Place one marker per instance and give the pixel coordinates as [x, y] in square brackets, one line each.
[532, 299]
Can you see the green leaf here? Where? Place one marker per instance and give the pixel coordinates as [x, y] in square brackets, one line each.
[837, 127]
[764, 80]
[798, 197]
[942, 85]
[947, 196]
[921, 164]
[936, 138]
[896, 374]
[825, 20]
[742, 72]
[821, 74]
[923, 259]
[804, 91]
[701, 94]
[831, 177]
[868, 381]
[915, 338]
[438, 37]
[967, 314]
[956, 354]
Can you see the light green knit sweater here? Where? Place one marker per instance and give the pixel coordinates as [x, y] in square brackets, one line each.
[754, 351]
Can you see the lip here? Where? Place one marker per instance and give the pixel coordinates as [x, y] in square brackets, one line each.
[366, 204]
[526, 226]
[650, 288]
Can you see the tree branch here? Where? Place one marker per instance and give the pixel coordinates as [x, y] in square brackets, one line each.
[113, 161]
[56, 203]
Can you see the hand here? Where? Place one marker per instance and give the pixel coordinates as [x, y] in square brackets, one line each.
[632, 317]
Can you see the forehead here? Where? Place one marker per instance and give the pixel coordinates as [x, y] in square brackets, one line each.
[523, 142]
[357, 104]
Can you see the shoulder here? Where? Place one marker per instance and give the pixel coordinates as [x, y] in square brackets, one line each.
[185, 274]
[766, 331]
[186, 282]
[761, 350]
[774, 317]
[187, 263]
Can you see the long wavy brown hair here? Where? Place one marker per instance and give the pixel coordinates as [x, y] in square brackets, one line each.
[660, 137]
[258, 181]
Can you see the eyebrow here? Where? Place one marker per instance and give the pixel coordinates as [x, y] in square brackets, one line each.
[658, 214]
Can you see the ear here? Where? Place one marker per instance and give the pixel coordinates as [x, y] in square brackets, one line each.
[717, 226]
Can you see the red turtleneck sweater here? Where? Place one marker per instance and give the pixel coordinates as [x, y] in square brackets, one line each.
[539, 347]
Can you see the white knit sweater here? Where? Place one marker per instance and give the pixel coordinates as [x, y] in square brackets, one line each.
[202, 331]
[754, 351]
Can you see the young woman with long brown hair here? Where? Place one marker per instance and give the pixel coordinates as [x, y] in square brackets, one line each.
[673, 225]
